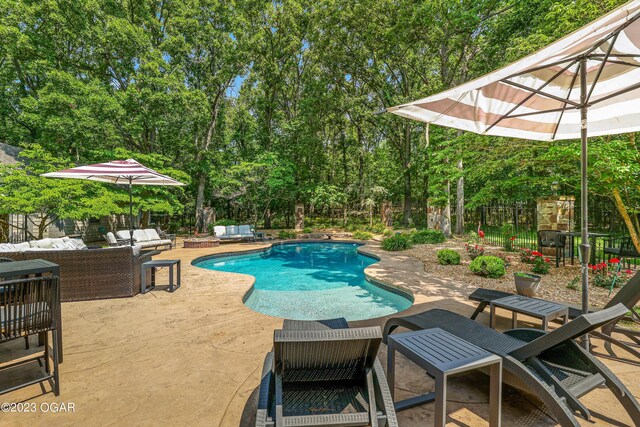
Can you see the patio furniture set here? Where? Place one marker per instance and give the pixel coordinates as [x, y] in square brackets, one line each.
[322, 373]
[147, 238]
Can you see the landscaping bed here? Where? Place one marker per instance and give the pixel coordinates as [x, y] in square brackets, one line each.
[553, 285]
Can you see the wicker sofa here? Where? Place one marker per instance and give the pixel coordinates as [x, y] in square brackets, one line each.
[95, 273]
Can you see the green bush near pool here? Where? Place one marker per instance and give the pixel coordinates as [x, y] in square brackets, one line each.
[448, 257]
[488, 266]
[362, 235]
[397, 242]
[428, 236]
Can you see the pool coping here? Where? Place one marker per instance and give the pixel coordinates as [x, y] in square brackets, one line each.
[388, 286]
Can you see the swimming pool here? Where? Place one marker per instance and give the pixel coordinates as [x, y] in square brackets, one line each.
[312, 281]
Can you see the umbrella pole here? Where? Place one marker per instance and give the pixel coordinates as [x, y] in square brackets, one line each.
[584, 235]
[130, 213]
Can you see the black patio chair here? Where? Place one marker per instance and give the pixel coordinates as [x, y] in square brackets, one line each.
[552, 239]
[622, 251]
[29, 307]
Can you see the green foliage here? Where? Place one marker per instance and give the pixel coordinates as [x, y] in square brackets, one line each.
[307, 230]
[287, 234]
[574, 283]
[488, 266]
[541, 265]
[427, 236]
[387, 232]
[448, 257]
[397, 242]
[362, 235]
[225, 222]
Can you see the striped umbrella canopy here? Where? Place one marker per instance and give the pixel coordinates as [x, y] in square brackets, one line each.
[128, 172]
[585, 84]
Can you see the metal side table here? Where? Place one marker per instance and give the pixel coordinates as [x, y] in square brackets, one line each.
[442, 354]
[155, 264]
[540, 309]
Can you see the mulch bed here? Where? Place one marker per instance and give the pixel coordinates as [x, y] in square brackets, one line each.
[553, 286]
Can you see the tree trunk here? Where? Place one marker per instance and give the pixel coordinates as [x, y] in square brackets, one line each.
[445, 224]
[202, 180]
[627, 219]
[460, 201]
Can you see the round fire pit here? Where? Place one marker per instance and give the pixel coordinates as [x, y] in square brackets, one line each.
[201, 243]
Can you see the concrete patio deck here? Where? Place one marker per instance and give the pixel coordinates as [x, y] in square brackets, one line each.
[194, 357]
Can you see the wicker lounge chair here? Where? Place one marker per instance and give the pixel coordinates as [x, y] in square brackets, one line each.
[549, 365]
[317, 370]
[629, 295]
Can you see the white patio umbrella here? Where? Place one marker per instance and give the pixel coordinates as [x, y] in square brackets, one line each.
[549, 95]
[126, 172]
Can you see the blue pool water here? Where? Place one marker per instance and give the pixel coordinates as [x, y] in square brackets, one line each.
[312, 281]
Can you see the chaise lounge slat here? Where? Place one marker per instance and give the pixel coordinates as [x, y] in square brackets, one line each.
[549, 365]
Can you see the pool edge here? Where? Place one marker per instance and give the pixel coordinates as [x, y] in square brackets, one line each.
[385, 285]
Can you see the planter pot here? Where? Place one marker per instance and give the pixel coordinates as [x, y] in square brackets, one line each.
[527, 285]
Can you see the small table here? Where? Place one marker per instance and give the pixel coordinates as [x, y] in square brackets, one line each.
[442, 354]
[593, 241]
[14, 269]
[540, 309]
[155, 264]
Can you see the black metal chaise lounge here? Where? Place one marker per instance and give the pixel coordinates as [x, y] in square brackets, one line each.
[628, 295]
[323, 373]
[549, 365]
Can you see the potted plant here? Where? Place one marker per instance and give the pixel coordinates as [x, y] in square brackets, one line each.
[527, 284]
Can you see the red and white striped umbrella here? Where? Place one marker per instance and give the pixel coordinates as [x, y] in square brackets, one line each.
[117, 172]
[128, 172]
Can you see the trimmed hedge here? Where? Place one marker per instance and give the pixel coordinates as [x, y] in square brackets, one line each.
[448, 257]
[488, 266]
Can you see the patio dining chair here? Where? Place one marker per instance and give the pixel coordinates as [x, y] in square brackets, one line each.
[623, 251]
[552, 239]
[29, 307]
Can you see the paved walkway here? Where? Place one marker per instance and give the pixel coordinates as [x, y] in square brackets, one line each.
[194, 357]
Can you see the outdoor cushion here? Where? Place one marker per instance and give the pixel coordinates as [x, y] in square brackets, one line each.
[43, 243]
[232, 230]
[79, 244]
[123, 234]
[152, 234]
[219, 230]
[140, 236]
[245, 230]
[21, 246]
[111, 239]
[7, 247]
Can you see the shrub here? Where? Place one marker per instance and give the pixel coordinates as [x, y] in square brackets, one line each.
[474, 251]
[428, 236]
[489, 266]
[397, 242]
[362, 235]
[604, 274]
[541, 265]
[287, 234]
[307, 230]
[387, 232]
[448, 257]
[378, 228]
[225, 222]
